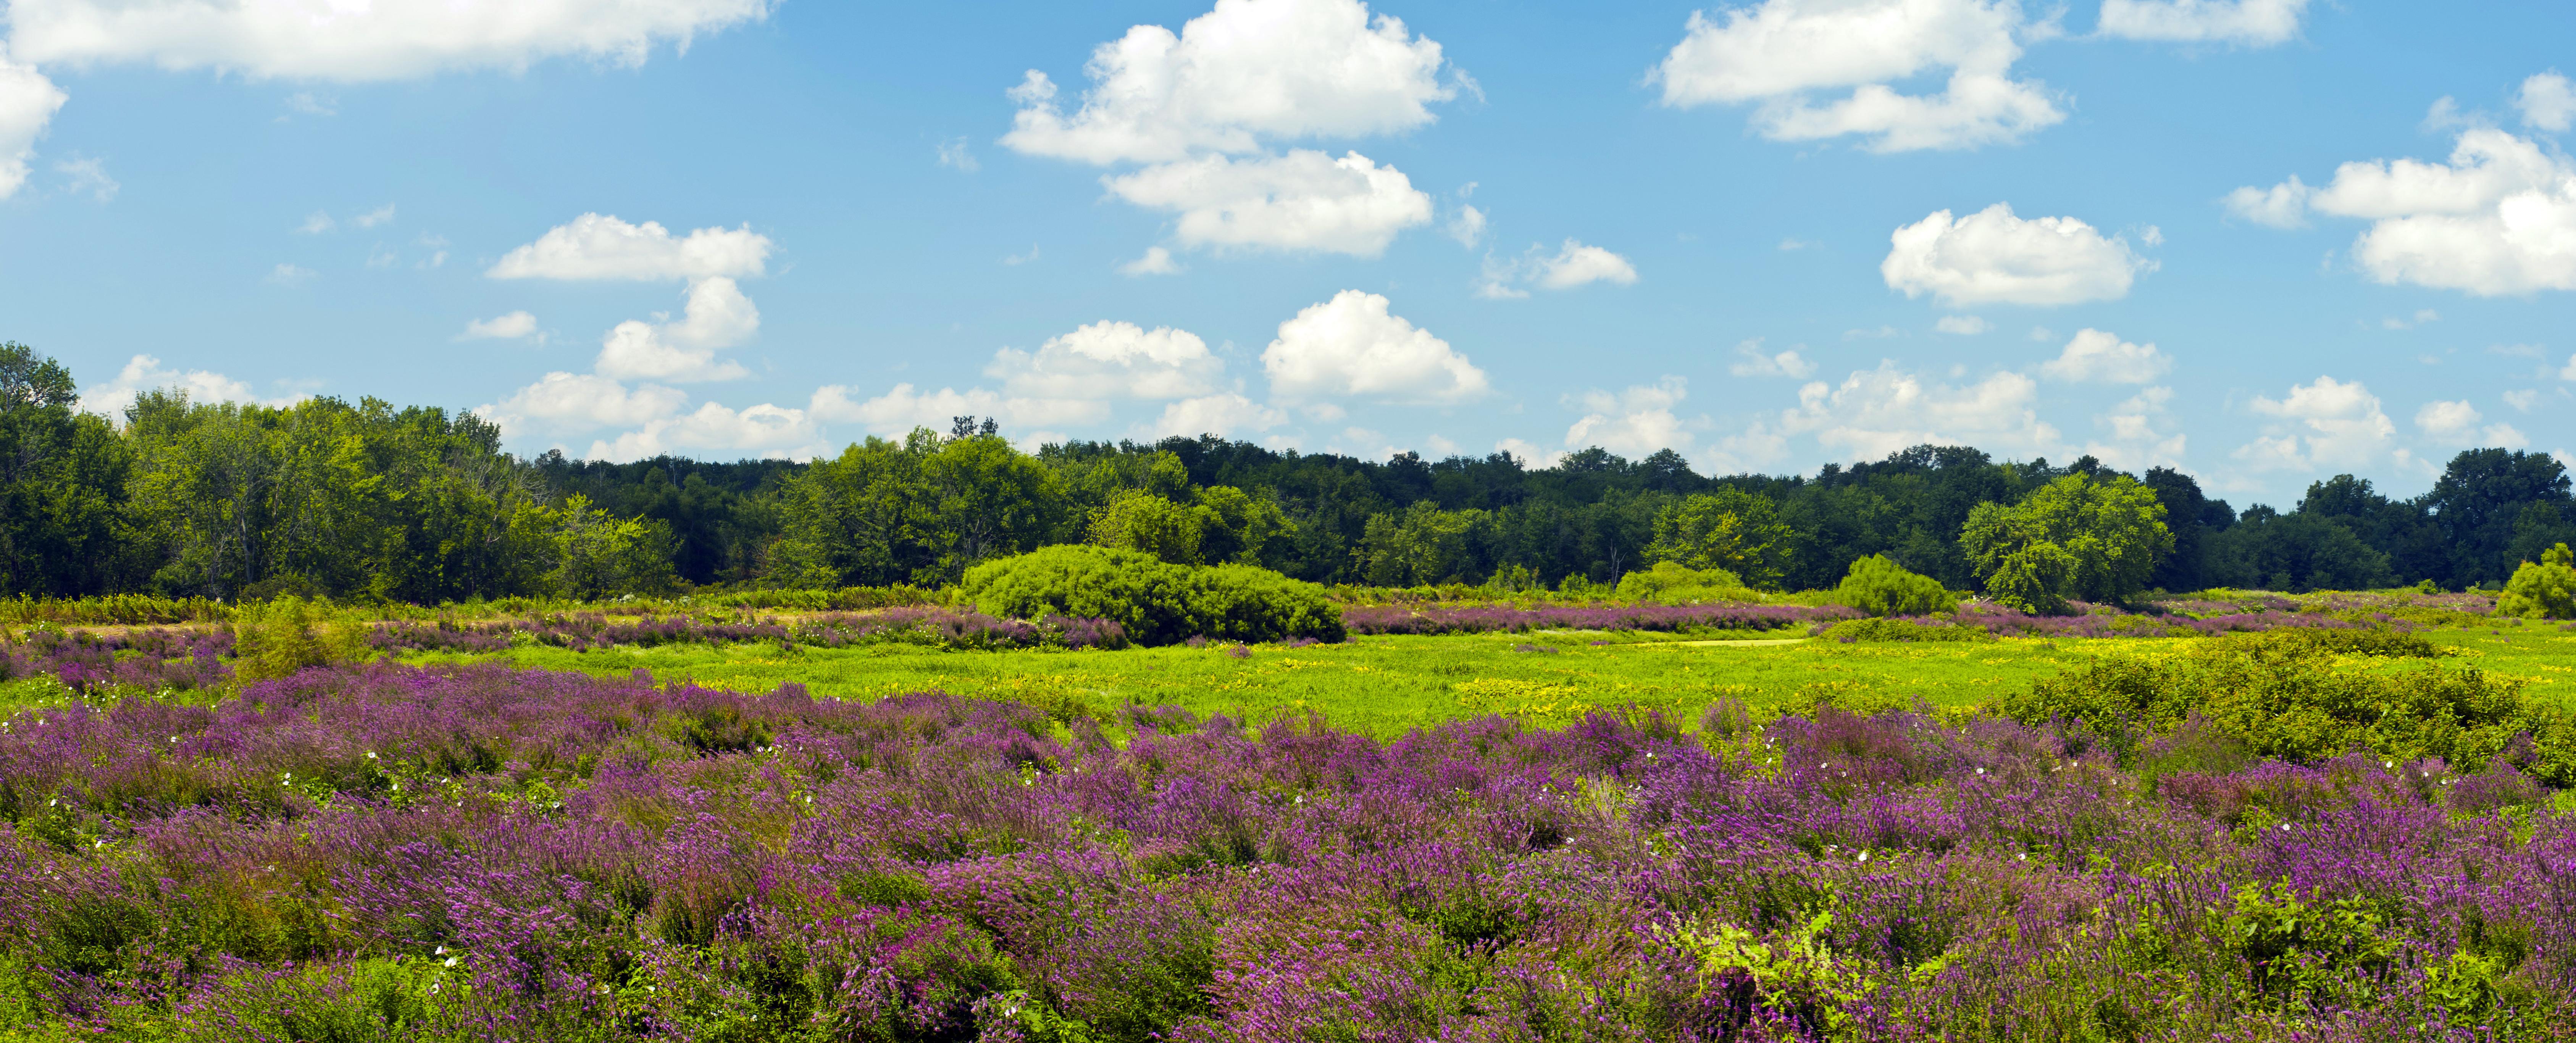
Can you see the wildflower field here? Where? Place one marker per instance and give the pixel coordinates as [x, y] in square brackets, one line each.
[2331, 822]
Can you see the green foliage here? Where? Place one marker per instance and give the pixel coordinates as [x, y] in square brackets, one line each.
[1880, 628]
[1672, 583]
[917, 511]
[1729, 529]
[599, 556]
[2283, 694]
[2298, 949]
[64, 527]
[290, 634]
[1882, 587]
[1156, 601]
[1220, 524]
[2297, 553]
[1424, 546]
[2078, 536]
[2543, 590]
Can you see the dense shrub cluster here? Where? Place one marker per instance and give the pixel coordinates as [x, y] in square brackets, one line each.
[1153, 601]
[1881, 587]
[371, 853]
[2542, 590]
[2306, 695]
[1670, 583]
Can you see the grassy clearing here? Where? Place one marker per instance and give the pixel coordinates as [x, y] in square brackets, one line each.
[1387, 685]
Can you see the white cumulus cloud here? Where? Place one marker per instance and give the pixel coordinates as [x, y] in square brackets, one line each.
[2104, 358]
[1752, 361]
[1225, 415]
[1780, 54]
[904, 407]
[2134, 441]
[2284, 205]
[1993, 256]
[599, 247]
[147, 373]
[1635, 422]
[1107, 360]
[2547, 101]
[1246, 71]
[1875, 412]
[1575, 264]
[1304, 200]
[2499, 218]
[1962, 325]
[512, 326]
[714, 430]
[1352, 346]
[2258, 23]
[2455, 425]
[359, 40]
[718, 316]
[28, 102]
[561, 401]
[2328, 423]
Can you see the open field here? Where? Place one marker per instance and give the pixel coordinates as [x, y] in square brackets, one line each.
[1387, 685]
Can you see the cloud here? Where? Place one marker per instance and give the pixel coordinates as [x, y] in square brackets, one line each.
[1467, 226]
[1304, 200]
[512, 326]
[718, 316]
[1778, 54]
[1224, 416]
[767, 430]
[2284, 205]
[1352, 346]
[1635, 422]
[1246, 71]
[146, 373]
[2134, 442]
[2521, 400]
[372, 218]
[1575, 264]
[594, 246]
[361, 41]
[2499, 218]
[308, 104]
[1878, 411]
[316, 223]
[1962, 325]
[1528, 454]
[1157, 261]
[2258, 23]
[290, 276]
[2455, 425]
[2103, 358]
[1995, 257]
[905, 407]
[28, 102]
[2547, 101]
[1752, 361]
[1106, 360]
[2328, 423]
[581, 402]
[954, 154]
[87, 177]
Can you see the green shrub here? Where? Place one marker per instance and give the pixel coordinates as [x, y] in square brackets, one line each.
[1158, 603]
[290, 634]
[1881, 587]
[1672, 583]
[1879, 628]
[2281, 696]
[2546, 590]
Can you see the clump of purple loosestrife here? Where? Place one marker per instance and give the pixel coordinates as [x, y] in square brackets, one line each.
[479, 853]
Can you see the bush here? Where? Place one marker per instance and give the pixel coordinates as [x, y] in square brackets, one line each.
[290, 634]
[1883, 629]
[1158, 603]
[2543, 591]
[1881, 587]
[1672, 583]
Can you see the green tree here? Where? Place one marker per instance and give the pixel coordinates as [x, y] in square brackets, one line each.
[1148, 522]
[63, 530]
[2296, 553]
[2545, 590]
[1729, 529]
[2078, 536]
[917, 511]
[599, 555]
[1425, 545]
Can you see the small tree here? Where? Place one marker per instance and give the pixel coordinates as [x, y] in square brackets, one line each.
[2075, 537]
[1141, 521]
[2546, 590]
[1881, 587]
[1729, 529]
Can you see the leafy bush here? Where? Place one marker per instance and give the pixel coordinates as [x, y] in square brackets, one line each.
[1880, 628]
[1881, 587]
[2098, 540]
[2544, 591]
[1156, 602]
[2281, 696]
[1672, 583]
[290, 634]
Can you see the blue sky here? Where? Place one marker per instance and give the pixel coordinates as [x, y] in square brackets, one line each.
[1766, 235]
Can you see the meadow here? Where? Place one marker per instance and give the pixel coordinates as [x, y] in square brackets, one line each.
[2332, 818]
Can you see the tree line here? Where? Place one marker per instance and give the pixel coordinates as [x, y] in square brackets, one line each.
[368, 500]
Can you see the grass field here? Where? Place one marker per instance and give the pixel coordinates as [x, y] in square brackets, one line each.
[1388, 685]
